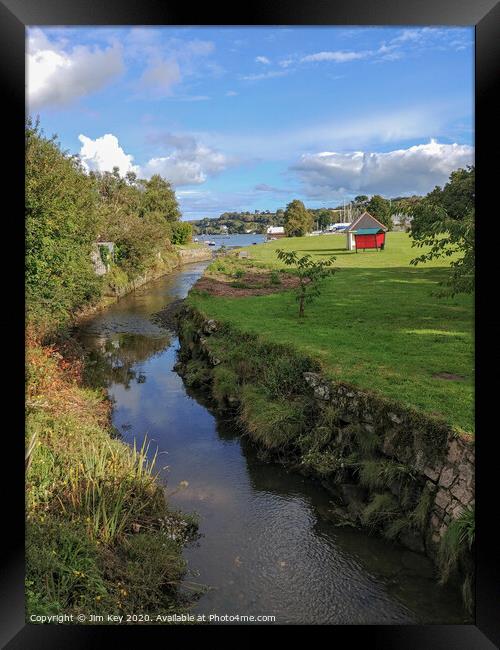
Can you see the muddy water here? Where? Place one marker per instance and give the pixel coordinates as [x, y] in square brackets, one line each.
[266, 547]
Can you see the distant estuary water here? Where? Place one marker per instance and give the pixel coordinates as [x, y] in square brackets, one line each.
[231, 241]
[266, 548]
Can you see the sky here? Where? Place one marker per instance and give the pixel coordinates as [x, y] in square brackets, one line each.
[250, 118]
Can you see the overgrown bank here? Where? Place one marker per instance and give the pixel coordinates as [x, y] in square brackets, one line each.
[92, 236]
[389, 468]
[100, 537]
[117, 284]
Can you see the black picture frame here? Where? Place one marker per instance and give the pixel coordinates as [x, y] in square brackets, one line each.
[15, 15]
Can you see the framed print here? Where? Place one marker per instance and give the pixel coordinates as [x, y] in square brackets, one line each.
[250, 316]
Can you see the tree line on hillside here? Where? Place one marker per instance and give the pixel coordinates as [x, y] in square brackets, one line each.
[68, 210]
[233, 222]
[238, 222]
[298, 220]
[257, 221]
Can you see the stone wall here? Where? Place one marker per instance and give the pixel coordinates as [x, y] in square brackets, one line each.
[444, 459]
[165, 266]
[100, 267]
[189, 255]
[438, 461]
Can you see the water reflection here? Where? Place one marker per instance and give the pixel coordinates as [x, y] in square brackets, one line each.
[116, 358]
[266, 546]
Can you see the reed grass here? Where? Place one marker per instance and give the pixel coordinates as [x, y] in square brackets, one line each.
[100, 536]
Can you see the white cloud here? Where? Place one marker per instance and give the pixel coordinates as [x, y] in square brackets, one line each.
[404, 171]
[188, 162]
[160, 76]
[262, 59]
[192, 98]
[58, 76]
[104, 153]
[168, 62]
[265, 75]
[196, 204]
[231, 93]
[199, 48]
[337, 56]
[264, 187]
[364, 130]
[420, 34]
[407, 41]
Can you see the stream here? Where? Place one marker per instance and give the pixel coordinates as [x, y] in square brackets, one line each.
[265, 545]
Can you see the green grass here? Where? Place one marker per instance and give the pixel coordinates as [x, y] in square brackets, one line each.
[376, 324]
[398, 252]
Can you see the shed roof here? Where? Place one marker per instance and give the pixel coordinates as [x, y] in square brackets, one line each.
[368, 231]
[366, 220]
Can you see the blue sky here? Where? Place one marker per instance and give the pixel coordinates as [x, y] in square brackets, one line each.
[251, 118]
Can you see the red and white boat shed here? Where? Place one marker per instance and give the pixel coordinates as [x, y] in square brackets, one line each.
[363, 222]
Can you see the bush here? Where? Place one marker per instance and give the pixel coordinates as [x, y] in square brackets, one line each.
[456, 543]
[225, 383]
[274, 423]
[275, 278]
[138, 246]
[383, 508]
[61, 226]
[181, 232]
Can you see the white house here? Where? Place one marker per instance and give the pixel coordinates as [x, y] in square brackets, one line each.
[364, 220]
[401, 221]
[275, 231]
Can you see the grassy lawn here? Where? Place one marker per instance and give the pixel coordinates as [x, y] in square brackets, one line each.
[375, 325]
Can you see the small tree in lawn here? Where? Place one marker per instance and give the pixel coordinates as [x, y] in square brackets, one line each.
[310, 274]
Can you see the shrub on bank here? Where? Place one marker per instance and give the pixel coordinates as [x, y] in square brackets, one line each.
[181, 232]
[61, 225]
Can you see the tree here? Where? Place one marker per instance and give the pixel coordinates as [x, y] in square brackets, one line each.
[444, 221]
[324, 219]
[158, 197]
[380, 208]
[134, 215]
[61, 206]
[119, 198]
[181, 232]
[310, 274]
[297, 220]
